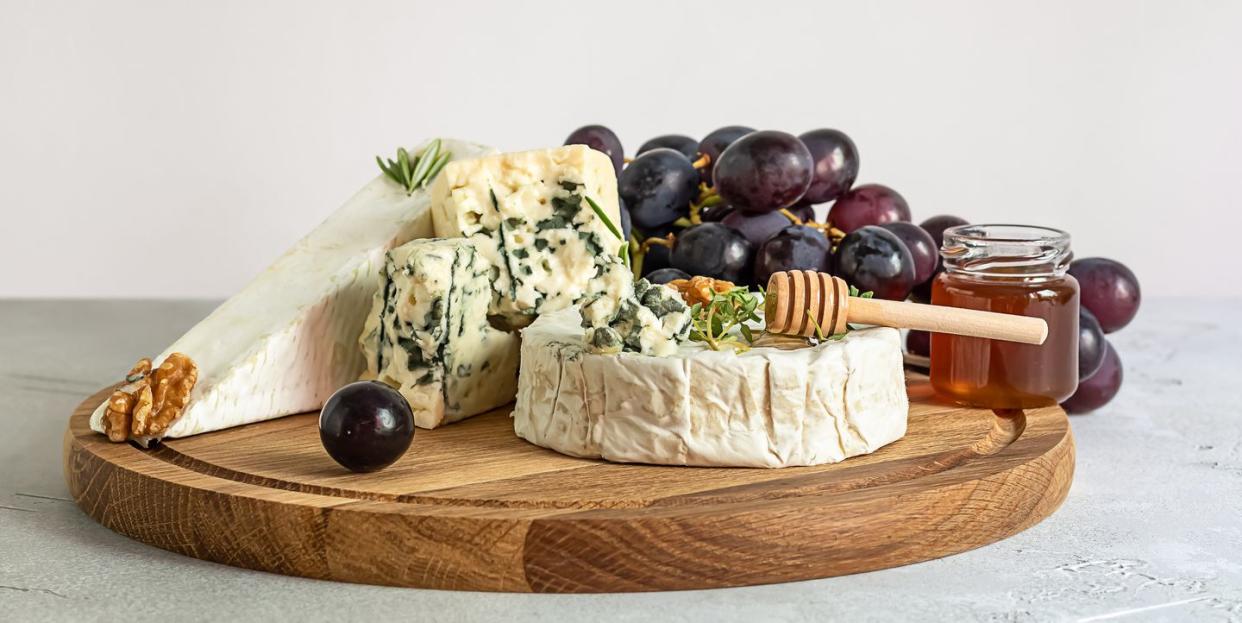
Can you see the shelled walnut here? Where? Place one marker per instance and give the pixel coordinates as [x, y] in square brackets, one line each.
[132, 398]
[700, 289]
[150, 401]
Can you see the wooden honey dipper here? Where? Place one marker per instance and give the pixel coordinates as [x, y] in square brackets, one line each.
[791, 294]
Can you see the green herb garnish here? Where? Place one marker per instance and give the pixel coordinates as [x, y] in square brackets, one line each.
[416, 172]
[714, 322]
[819, 331]
[624, 251]
[634, 249]
[604, 217]
[862, 295]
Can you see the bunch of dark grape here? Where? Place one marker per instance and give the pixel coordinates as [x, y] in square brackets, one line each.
[740, 205]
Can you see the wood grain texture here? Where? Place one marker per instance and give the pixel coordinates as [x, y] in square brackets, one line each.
[473, 507]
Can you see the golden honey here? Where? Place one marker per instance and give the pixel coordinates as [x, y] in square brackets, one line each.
[1011, 269]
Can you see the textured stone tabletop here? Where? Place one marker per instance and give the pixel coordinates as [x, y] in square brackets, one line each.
[1151, 531]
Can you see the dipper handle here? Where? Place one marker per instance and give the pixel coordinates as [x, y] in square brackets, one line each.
[792, 294]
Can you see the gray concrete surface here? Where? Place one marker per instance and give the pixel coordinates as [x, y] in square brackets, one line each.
[1152, 529]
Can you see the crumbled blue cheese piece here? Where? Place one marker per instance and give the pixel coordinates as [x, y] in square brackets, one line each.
[428, 334]
[528, 217]
[636, 317]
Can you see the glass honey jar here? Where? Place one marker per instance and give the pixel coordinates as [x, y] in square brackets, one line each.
[1011, 269]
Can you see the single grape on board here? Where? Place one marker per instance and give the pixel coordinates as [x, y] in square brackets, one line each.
[366, 426]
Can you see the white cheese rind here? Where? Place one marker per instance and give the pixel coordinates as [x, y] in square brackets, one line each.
[428, 336]
[287, 340]
[763, 408]
[528, 217]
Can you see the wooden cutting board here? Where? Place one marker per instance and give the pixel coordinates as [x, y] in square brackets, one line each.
[473, 507]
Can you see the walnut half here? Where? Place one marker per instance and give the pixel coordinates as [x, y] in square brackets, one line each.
[132, 398]
[700, 289]
[150, 401]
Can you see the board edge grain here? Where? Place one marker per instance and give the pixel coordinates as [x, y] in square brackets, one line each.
[720, 543]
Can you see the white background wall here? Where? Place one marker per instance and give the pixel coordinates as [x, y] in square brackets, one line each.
[172, 149]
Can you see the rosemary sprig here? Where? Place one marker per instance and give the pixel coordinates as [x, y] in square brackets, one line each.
[413, 173]
[624, 251]
[713, 323]
[604, 217]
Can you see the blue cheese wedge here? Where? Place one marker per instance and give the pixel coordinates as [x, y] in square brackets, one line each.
[289, 339]
[528, 216]
[634, 317]
[766, 407]
[428, 334]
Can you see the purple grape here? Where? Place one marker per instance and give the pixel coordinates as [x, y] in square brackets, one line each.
[657, 257]
[874, 259]
[599, 138]
[756, 228]
[869, 204]
[796, 247]
[658, 187]
[687, 146]
[918, 343]
[1091, 345]
[716, 213]
[665, 275]
[1109, 290]
[935, 226]
[836, 164]
[764, 172]
[626, 224]
[922, 248]
[715, 143]
[713, 250]
[366, 426]
[1098, 390]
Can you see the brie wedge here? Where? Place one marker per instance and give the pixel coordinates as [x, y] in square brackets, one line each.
[762, 408]
[290, 338]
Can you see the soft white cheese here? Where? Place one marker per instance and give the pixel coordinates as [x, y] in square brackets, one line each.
[428, 334]
[289, 339]
[762, 408]
[528, 216]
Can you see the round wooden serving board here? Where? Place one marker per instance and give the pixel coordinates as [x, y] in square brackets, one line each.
[473, 507]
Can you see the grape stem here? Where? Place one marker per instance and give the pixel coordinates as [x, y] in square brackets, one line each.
[638, 250]
[668, 240]
[832, 232]
[707, 198]
[703, 161]
[791, 216]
